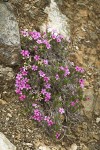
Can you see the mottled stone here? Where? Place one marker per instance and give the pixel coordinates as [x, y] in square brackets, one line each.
[9, 35]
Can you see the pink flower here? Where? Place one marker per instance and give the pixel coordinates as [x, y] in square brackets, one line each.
[81, 81]
[22, 97]
[41, 73]
[57, 77]
[45, 61]
[58, 40]
[67, 72]
[57, 135]
[34, 67]
[73, 103]
[43, 91]
[82, 70]
[23, 71]
[62, 68]
[82, 85]
[61, 111]
[53, 36]
[25, 53]
[27, 87]
[47, 96]
[45, 41]
[36, 57]
[47, 86]
[39, 41]
[77, 68]
[19, 76]
[18, 91]
[48, 46]
[46, 79]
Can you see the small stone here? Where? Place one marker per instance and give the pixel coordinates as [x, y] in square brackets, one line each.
[9, 115]
[2, 102]
[28, 144]
[43, 148]
[97, 120]
[73, 147]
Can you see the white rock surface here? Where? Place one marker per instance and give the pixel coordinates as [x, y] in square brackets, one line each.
[97, 120]
[43, 148]
[73, 147]
[5, 144]
[56, 20]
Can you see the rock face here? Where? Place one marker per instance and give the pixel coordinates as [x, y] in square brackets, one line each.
[5, 144]
[9, 35]
[56, 20]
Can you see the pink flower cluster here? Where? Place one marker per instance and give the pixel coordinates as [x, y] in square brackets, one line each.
[50, 94]
[25, 53]
[47, 85]
[37, 115]
[39, 39]
[35, 35]
[79, 69]
[22, 83]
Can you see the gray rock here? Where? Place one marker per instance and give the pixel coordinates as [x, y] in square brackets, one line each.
[9, 35]
[5, 144]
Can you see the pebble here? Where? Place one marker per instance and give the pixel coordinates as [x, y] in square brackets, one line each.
[97, 120]
[73, 147]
